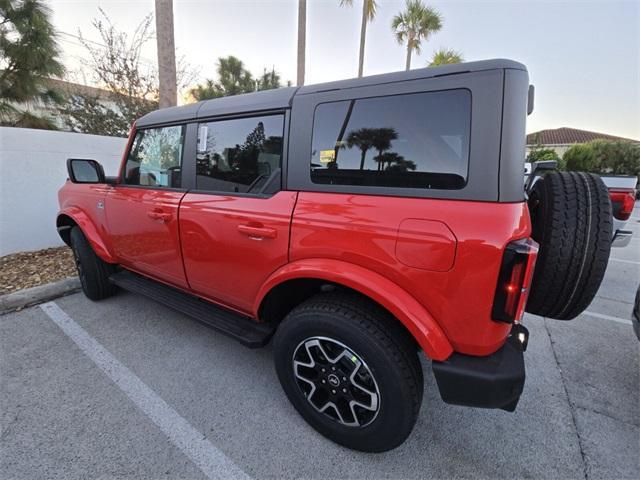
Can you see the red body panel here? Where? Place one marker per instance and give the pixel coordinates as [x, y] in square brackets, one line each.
[432, 263]
[81, 203]
[143, 228]
[231, 244]
[426, 244]
[364, 230]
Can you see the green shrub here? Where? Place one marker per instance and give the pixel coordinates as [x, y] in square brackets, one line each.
[540, 154]
[617, 158]
[582, 158]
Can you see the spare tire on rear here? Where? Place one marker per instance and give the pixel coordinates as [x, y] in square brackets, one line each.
[571, 218]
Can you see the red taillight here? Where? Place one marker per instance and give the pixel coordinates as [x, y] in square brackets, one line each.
[622, 202]
[514, 280]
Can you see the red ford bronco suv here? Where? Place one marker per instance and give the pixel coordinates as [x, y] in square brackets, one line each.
[359, 223]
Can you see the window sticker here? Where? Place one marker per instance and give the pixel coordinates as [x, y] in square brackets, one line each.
[327, 156]
[202, 138]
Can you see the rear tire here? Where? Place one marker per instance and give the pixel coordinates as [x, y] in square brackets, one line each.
[94, 272]
[370, 347]
[571, 218]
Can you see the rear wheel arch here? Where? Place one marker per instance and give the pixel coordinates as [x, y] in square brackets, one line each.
[298, 281]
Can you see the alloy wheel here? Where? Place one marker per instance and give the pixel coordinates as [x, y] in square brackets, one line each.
[336, 381]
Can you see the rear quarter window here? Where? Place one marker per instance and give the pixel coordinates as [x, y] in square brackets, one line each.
[417, 140]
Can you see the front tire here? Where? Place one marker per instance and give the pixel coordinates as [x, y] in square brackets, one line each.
[350, 370]
[94, 272]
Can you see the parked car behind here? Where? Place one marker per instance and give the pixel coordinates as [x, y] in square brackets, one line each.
[622, 193]
[622, 190]
[356, 223]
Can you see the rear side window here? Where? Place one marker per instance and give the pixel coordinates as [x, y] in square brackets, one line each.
[418, 140]
[239, 155]
[155, 159]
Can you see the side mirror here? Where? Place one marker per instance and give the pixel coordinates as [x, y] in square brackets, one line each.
[83, 170]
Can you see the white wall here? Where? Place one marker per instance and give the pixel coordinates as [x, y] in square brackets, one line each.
[32, 170]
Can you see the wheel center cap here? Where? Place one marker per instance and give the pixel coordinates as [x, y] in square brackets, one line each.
[334, 381]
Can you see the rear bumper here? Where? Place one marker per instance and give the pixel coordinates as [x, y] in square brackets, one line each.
[621, 238]
[494, 381]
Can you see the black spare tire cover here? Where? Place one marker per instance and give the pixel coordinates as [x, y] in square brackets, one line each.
[572, 222]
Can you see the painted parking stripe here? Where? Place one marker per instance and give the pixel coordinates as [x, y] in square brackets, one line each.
[624, 261]
[607, 317]
[211, 461]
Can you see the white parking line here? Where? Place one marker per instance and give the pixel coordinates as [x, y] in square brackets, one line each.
[623, 261]
[607, 317]
[211, 461]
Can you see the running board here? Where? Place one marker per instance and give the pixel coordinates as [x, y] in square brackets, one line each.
[240, 327]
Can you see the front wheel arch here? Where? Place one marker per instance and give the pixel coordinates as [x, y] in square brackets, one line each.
[76, 217]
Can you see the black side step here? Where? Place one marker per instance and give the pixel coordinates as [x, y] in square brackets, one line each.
[240, 327]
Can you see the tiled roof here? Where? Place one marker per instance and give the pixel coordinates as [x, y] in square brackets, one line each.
[564, 136]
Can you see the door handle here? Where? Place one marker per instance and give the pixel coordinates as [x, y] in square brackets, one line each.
[257, 233]
[159, 215]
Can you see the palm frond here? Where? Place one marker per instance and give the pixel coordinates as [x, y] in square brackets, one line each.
[371, 8]
[416, 24]
[29, 120]
[445, 56]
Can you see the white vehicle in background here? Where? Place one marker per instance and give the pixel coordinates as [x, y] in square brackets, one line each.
[622, 191]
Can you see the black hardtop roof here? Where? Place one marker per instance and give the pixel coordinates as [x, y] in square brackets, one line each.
[281, 98]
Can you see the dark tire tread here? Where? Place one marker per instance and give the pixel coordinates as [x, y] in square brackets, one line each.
[572, 222]
[367, 319]
[95, 284]
[379, 323]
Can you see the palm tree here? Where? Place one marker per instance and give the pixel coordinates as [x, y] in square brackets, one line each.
[29, 54]
[363, 139]
[445, 56]
[369, 8]
[401, 165]
[302, 40]
[166, 54]
[414, 25]
[387, 159]
[382, 141]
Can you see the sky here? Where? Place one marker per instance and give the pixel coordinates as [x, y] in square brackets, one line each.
[583, 56]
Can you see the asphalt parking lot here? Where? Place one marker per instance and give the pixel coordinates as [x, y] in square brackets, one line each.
[126, 388]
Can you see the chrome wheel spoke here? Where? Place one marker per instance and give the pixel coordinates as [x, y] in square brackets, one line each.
[336, 381]
[373, 395]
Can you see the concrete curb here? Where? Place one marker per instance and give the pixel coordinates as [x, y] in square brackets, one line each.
[35, 295]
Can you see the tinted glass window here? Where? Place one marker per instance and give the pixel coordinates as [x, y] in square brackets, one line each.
[155, 158]
[239, 155]
[418, 140]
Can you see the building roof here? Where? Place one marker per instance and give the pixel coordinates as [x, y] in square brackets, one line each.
[282, 97]
[77, 88]
[568, 136]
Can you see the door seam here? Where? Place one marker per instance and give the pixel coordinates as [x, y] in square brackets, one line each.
[179, 228]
